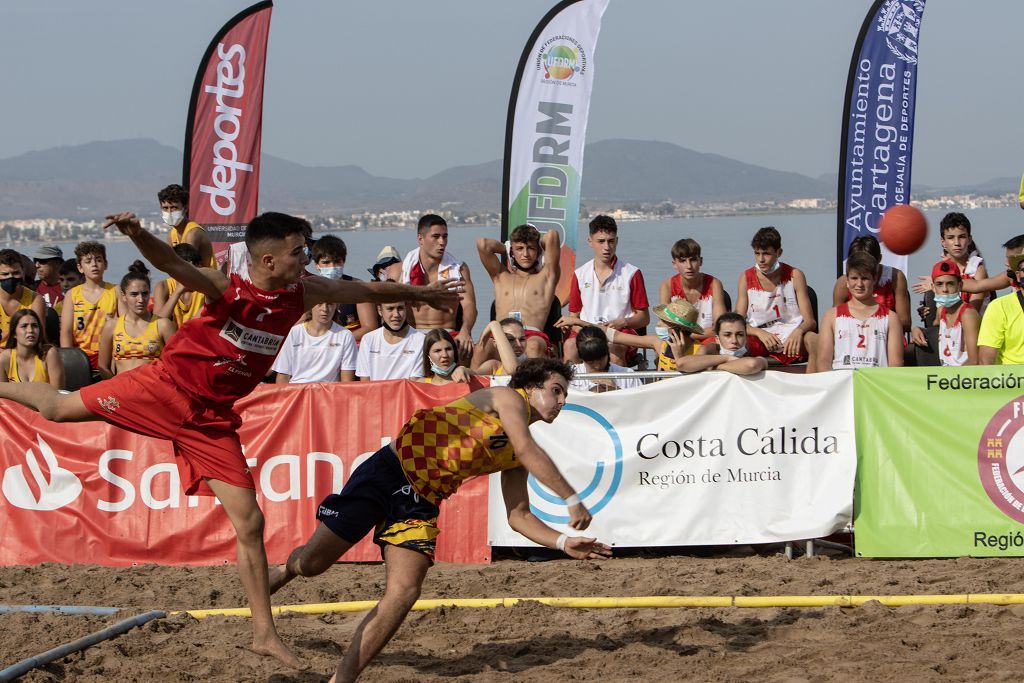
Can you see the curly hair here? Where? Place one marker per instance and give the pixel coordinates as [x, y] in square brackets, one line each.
[533, 372]
[173, 193]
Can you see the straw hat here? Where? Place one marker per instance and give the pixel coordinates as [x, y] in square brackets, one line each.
[680, 313]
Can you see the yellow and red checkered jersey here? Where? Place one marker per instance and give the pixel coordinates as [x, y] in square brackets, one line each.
[89, 318]
[178, 238]
[441, 447]
[24, 301]
[147, 346]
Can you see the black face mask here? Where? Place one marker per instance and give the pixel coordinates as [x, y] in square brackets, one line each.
[10, 284]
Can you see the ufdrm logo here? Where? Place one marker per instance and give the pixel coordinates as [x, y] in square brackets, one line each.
[593, 439]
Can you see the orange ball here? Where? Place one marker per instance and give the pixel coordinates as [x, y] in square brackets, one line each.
[903, 229]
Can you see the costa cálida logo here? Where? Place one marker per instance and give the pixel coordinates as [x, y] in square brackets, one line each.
[1001, 459]
[229, 89]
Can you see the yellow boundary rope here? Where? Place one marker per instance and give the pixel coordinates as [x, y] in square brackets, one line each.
[646, 602]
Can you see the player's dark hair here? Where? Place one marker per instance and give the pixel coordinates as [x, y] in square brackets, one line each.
[9, 257]
[954, 219]
[330, 247]
[186, 252]
[428, 221]
[274, 226]
[863, 263]
[137, 272]
[173, 193]
[867, 244]
[603, 223]
[434, 336]
[524, 234]
[69, 267]
[767, 238]
[1014, 242]
[84, 249]
[591, 344]
[685, 248]
[533, 372]
[729, 317]
[511, 321]
[41, 346]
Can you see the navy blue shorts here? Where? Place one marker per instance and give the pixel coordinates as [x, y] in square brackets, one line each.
[378, 495]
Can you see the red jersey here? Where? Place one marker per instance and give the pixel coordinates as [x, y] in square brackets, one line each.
[222, 354]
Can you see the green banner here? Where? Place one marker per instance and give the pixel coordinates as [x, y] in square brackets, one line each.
[940, 463]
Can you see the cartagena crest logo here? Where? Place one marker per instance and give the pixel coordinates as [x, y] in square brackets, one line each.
[900, 21]
[1001, 459]
[561, 60]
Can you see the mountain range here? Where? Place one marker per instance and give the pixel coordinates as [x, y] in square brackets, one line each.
[86, 181]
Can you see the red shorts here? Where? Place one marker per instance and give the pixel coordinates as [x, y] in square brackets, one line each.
[205, 437]
[755, 349]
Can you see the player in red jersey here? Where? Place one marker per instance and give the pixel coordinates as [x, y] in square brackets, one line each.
[187, 395]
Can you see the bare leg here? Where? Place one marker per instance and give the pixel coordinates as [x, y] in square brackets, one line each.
[245, 515]
[44, 399]
[406, 571]
[322, 550]
[810, 342]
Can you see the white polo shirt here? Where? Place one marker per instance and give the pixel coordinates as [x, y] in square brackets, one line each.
[316, 359]
[380, 360]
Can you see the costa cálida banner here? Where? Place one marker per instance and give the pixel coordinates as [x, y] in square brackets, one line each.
[941, 461]
[547, 124]
[877, 142]
[224, 128]
[707, 459]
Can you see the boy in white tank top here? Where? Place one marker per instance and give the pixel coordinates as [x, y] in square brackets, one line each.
[958, 321]
[860, 333]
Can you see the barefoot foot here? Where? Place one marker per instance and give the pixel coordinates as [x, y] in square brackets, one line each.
[277, 649]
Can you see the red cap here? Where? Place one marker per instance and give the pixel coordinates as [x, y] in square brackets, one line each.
[946, 267]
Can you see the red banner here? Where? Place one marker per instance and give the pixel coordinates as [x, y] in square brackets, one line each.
[93, 493]
[223, 133]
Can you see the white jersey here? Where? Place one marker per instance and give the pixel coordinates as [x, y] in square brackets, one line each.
[860, 343]
[777, 310]
[974, 261]
[588, 384]
[951, 338]
[379, 359]
[238, 260]
[306, 358]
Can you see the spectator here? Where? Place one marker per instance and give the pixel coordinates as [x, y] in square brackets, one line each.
[27, 357]
[392, 351]
[501, 348]
[70, 276]
[606, 291]
[592, 347]
[441, 359]
[890, 290]
[958, 323]
[47, 260]
[174, 212]
[1001, 338]
[318, 350]
[137, 337]
[329, 254]
[860, 333]
[177, 303]
[93, 303]
[730, 346]
[388, 267]
[773, 297]
[430, 262]
[673, 341]
[14, 295]
[704, 291]
[526, 290]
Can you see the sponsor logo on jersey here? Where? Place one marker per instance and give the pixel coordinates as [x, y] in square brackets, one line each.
[248, 339]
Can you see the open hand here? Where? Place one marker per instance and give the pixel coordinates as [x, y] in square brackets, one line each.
[924, 284]
[126, 221]
[582, 548]
[442, 294]
[462, 374]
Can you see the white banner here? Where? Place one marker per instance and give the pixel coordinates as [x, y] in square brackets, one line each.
[708, 459]
[547, 123]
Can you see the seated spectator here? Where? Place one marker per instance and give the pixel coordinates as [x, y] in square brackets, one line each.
[958, 245]
[704, 291]
[70, 276]
[673, 341]
[773, 297]
[171, 300]
[47, 260]
[958, 322]
[501, 348]
[441, 359]
[318, 350]
[27, 358]
[329, 254]
[606, 291]
[1001, 338]
[388, 267]
[730, 346]
[592, 347]
[392, 351]
[890, 290]
[138, 337]
[14, 294]
[860, 333]
[90, 305]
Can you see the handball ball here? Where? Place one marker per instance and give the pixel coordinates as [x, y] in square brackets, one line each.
[903, 229]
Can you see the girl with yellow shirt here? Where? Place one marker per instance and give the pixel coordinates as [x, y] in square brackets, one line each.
[137, 337]
[26, 358]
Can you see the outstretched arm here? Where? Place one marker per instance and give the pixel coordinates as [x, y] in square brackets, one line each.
[319, 290]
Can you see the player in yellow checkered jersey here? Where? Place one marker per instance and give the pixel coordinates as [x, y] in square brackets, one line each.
[399, 488]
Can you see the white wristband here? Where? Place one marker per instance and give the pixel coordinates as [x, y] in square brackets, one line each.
[609, 334]
[560, 543]
[574, 499]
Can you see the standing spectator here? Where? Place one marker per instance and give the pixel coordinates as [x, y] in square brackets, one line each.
[592, 347]
[70, 276]
[14, 295]
[318, 350]
[92, 304]
[27, 357]
[48, 259]
[329, 254]
[958, 321]
[138, 337]
[174, 212]
[1001, 339]
[392, 351]
[441, 359]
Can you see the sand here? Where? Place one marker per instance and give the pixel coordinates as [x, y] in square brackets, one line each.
[532, 642]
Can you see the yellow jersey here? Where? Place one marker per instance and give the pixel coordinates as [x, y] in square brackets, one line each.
[177, 238]
[147, 346]
[182, 312]
[89, 318]
[667, 363]
[40, 374]
[441, 447]
[24, 301]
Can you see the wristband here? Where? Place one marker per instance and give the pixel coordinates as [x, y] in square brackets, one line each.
[560, 543]
[574, 499]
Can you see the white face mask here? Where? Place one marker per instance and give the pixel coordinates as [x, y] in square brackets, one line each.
[172, 218]
[771, 270]
[738, 353]
[332, 272]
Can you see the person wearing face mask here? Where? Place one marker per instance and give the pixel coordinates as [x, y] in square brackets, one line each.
[729, 347]
[329, 254]
[1001, 337]
[441, 360]
[27, 357]
[318, 350]
[174, 213]
[14, 295]
[392, 351]
[958, 322]
[138, 337]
